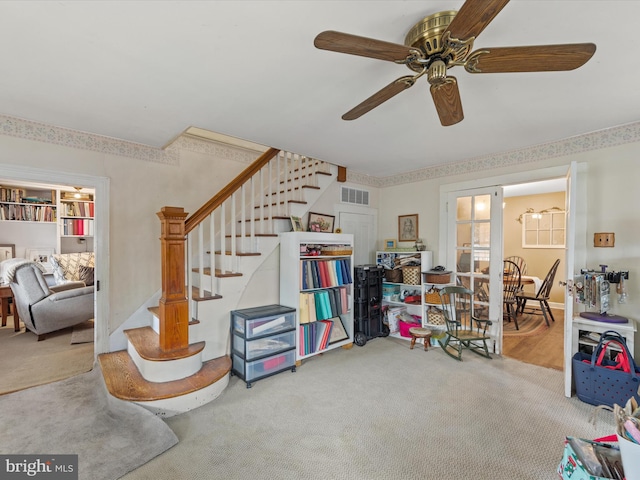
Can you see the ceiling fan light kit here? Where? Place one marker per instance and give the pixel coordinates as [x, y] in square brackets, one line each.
[444, 40]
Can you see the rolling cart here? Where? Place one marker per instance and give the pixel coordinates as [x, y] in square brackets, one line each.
[367, 304]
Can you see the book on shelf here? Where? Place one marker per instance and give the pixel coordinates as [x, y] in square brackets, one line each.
[331, 269]
[314, 336]
[28, 213]
[324, 280]
[324, 273]
[332, 301]
[327, 332]
[304, 308]
[338, 270]
[12, 194]
[323, 304]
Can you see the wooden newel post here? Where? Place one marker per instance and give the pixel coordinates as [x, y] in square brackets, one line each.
[174, 307]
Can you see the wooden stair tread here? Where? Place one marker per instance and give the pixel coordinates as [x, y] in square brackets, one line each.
[300, 202]
[146, 342]
[275, 217]
[219, 273]
[156, 312]
[304, 176]
[238, 235]
[306, 166]
[281, 192]
[124, 381]
[240, 254]
[195, 295]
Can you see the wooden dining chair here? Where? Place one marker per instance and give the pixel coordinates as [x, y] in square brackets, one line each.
[541, 296]
[522, 265]
[511, 286]
[520, 262]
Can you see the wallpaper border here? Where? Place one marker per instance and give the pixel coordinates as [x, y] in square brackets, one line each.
[609, 137]
[41, 132]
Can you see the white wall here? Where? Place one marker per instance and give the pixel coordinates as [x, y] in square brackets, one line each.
[29, 235]
[138, 189]
[611, 177]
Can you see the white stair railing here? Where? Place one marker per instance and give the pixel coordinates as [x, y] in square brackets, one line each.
[231, 231]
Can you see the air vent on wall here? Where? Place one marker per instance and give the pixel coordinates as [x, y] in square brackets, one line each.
[355, 196]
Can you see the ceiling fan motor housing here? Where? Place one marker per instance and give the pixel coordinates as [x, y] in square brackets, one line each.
[426, 35]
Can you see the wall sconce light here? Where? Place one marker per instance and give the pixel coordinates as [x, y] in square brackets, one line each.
[537, 215]
[604, 239]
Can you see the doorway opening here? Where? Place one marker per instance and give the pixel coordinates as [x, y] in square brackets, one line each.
[524, 203]
[68, 181]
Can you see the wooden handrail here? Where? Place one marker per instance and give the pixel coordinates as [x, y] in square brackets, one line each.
[217, 200]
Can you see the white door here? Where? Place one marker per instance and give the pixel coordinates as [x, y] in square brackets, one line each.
[574, 256]
[474, 250]
[362, 227]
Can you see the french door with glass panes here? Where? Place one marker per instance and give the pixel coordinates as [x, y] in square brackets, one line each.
[474, 250]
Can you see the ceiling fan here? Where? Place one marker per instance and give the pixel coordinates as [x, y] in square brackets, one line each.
[445, 40]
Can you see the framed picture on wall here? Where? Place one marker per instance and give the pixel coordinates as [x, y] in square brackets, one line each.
[319, 222]
[7, 251]
[389, 244]
[408, 228]
[41, 256]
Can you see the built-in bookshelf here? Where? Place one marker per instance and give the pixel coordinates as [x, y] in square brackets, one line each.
[22, 204]
[316, 279]
[50, 217]
[76, 217]
[76, 220]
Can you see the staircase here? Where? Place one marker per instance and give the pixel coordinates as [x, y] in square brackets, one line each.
[181, 360]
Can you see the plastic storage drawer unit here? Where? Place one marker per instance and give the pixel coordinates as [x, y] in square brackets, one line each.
[264, 346]
[264, 341]
[261, 321]
[254, 370]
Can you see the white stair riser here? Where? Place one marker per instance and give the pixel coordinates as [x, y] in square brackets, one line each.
[165, 371]
[176, 405]
[214, 331]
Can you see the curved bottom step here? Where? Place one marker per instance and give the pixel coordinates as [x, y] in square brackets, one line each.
[124, 381]
[169, 407]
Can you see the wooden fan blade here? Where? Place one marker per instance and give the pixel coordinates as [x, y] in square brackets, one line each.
[363, 46]
[541, 58]
[446, 97]
[378, 98]
[473, 17]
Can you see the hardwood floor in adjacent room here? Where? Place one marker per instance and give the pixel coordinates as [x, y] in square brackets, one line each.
[545, 349]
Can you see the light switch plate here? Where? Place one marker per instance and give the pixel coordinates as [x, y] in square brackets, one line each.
[604, 239]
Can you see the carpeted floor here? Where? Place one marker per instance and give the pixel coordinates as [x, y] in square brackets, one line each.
[77, 416]
[83, 333]
[28, 362]
[382, 412]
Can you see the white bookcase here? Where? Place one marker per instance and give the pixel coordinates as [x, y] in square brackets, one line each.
[75, 221]
[49, 217]
[300, 251]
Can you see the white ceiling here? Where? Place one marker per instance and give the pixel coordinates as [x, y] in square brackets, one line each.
[144, 71]
[535, 188]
